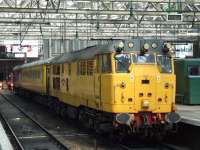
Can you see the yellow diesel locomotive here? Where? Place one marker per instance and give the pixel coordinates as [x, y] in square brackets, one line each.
[127, 85]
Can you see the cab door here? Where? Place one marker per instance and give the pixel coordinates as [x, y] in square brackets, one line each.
[97, 86]
[97, 82]
[48, 79]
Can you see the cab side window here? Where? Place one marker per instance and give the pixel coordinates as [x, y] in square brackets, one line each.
[81, 68]
[69, 69]
[106, 63]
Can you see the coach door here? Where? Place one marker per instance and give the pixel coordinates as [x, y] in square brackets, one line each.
[97, 82]
[48, 79]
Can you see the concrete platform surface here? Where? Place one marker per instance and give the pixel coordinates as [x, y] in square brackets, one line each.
[4, 141]
[190, 114]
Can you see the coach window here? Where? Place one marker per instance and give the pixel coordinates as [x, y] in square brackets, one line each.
[32, 74]
[36, 74]
[78, 68]
[56, 83]
[56, 69]
[62, 68]
[194, 70]
[69, 69]
[40, 73]
[106, 63]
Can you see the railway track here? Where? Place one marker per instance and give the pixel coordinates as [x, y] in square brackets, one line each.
[161, 146]
[24, 131]
[78, 135]
[14, 140]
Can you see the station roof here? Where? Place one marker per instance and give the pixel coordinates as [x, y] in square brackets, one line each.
[86, 19]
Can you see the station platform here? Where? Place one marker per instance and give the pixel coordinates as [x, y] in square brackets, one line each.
[190, 114]
[4, 141]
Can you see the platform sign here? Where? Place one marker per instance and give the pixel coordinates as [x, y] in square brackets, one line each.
[183, 49]
[28, 48]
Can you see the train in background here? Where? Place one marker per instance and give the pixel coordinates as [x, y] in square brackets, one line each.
[5, 82]
[3, 51]
[188, 81]
[2, 55]
[128, 86]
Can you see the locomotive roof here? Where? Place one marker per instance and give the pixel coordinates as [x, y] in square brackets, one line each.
[90, 52]
[86, 53]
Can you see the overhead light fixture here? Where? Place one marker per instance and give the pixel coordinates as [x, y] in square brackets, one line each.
[131, 17]
[154, 45]
[76, 36]
[174, 17]
[98, 25]
[70, 3]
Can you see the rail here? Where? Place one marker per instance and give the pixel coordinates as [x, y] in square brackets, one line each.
[58, 143]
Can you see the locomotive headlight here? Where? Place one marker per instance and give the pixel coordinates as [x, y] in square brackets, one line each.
[145, 104]
[154, 45]
[130, 44]
[146, 46]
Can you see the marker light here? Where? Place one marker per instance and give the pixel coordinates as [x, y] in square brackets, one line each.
[168, 45]
[121, 45]
[154, 45]
[130, 44]
[166, 48]
[146, 46]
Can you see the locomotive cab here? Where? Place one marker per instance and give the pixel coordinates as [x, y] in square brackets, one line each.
[141, 86]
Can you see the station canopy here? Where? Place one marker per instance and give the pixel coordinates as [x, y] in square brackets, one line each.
[100, 19]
